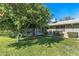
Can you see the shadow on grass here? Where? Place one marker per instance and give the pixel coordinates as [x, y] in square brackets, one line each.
[40, 40]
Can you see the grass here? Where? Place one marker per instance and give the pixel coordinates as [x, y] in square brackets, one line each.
[39, 46]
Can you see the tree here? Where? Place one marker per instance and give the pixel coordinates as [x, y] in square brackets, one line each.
[20, 16]
[14, 17]
[39, 17]
[68, 18]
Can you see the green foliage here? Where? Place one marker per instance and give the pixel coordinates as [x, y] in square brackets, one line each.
[58, 33]
[20, 16]
[72, 34]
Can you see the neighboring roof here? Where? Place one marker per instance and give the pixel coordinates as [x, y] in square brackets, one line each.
[52, 20]
[65, 22]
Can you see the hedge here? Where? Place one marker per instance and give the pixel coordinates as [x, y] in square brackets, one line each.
[72, 34]
[58, 33]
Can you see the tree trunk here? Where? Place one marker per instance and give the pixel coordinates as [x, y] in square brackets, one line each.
[17, 37]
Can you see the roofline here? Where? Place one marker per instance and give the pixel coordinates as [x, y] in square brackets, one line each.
[75, 21]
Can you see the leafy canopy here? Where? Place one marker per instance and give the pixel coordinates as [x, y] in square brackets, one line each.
[19, 16]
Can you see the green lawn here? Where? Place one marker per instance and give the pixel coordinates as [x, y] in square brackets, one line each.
[40, 46]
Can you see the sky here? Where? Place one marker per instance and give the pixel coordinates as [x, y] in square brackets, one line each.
[60, 10]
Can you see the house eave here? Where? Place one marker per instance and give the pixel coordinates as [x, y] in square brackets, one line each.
[75, 21]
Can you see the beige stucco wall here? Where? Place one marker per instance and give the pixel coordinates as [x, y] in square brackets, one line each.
[70, 30]
[65, 31]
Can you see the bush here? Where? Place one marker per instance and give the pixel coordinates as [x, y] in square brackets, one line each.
[72, 34]
[13, 34]
[58, 33]
[4, 33]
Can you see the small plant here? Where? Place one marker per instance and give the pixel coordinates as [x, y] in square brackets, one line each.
[58, 33]
[72, 34]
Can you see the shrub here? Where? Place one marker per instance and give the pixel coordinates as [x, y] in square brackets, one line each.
[72, 34]
[4, 33]
[58, 33]
[12, 34]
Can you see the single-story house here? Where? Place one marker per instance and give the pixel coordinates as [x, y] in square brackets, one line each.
[28, 32]
[66, 28]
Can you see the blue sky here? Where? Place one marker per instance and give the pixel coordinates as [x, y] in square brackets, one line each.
[61, 10]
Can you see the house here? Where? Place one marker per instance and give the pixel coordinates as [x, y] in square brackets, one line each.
[66, 28]
[28, 32]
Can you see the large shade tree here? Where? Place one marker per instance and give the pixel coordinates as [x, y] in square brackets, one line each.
[16, 17]
[38, 16]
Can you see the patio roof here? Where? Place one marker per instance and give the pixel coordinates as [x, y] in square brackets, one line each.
[74, 21]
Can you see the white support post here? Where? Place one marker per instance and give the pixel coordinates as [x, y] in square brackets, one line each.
[78, 35]
[65, 33]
